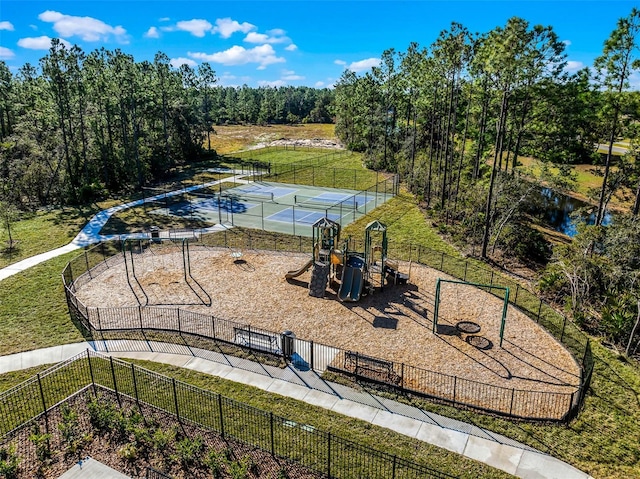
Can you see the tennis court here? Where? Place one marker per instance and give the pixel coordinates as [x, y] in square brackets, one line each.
[278, 207]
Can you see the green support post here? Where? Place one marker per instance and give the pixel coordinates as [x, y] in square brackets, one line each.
[504, 314]
[435, 307]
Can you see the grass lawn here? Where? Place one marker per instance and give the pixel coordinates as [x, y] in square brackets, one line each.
[230, 138]
[43, 231]
[33, 311]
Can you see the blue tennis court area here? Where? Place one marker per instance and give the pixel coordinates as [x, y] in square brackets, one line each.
[300, 216]
[262, 189]
[279, 207]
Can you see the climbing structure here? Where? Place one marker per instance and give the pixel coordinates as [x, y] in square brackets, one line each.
[378, 267]
[326, 235]
[359, 273]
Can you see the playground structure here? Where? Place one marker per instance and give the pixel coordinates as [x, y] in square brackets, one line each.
[146, 268]
[359, 273]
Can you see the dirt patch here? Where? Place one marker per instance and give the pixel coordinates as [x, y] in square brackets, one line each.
[395, 323]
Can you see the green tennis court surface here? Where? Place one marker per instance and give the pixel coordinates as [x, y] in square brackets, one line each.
[277, 207]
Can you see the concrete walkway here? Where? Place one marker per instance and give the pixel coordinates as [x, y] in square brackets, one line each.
[91, 469]
[305, 385]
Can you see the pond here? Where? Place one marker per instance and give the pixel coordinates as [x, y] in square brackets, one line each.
[560, 212]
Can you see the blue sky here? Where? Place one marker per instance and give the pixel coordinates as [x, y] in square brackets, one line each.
[275, 42]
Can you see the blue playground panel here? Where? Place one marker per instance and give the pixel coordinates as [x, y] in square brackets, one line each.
[254, 189]
[301, 216]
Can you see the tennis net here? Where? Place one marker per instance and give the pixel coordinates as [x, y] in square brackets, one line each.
[326, 203]
[250, 195]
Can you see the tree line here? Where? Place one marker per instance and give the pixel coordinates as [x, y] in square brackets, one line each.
[79, 126]
[456, 120]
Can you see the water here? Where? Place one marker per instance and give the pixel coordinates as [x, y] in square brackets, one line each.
[559, 212]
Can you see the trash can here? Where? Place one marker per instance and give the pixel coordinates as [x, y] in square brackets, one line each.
[288, 344]
[155, 232]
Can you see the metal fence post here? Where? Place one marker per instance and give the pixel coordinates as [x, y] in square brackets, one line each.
[539, 311]
[86, 262]
[179, 326]
[273, 448]
[93, 381]
[513, 392]
[135, 386]
[455, 384]
[221, 416]
[140, 317]
[312, 355]
[175, 399]
[44, 404]
[115, 384]
[393, 467]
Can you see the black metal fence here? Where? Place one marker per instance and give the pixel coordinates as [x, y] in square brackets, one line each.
[317, 450]
[510, 402]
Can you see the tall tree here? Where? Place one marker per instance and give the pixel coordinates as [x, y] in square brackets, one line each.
[614, 68]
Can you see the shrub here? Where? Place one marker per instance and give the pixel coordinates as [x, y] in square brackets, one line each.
[9, 463]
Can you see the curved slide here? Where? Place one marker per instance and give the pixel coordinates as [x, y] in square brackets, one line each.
[351, 286]
[297, 272]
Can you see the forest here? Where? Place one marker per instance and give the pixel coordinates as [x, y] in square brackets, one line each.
[456, 119]
[81, 126]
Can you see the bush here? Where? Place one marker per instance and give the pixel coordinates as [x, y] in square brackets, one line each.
[9, 463]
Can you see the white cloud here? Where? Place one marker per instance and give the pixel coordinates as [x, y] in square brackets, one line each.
[152, 33]
[263, 55]
[573, 66]
[197, 27]
[39, 43]
[318, 84]
[164, 19]
[87, 28]
[6, 26]
[566, 42]
[275, 83]
[177, 62]
[5, 53]
[227, 27]
[253, 37]
[340, 62]
[278, 32]
[291, 48]
[363, 65]
[292, 77]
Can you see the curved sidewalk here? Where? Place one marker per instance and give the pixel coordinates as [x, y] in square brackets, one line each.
[305, 385]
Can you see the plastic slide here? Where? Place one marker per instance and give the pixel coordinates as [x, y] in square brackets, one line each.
[297, 272]
[351, 286]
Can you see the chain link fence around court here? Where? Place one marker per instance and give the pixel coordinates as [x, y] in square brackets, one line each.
[522, 404]
[91, 372]
[280, 207]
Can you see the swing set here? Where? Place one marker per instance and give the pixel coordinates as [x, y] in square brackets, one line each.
[141, 252]
[489, 287]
